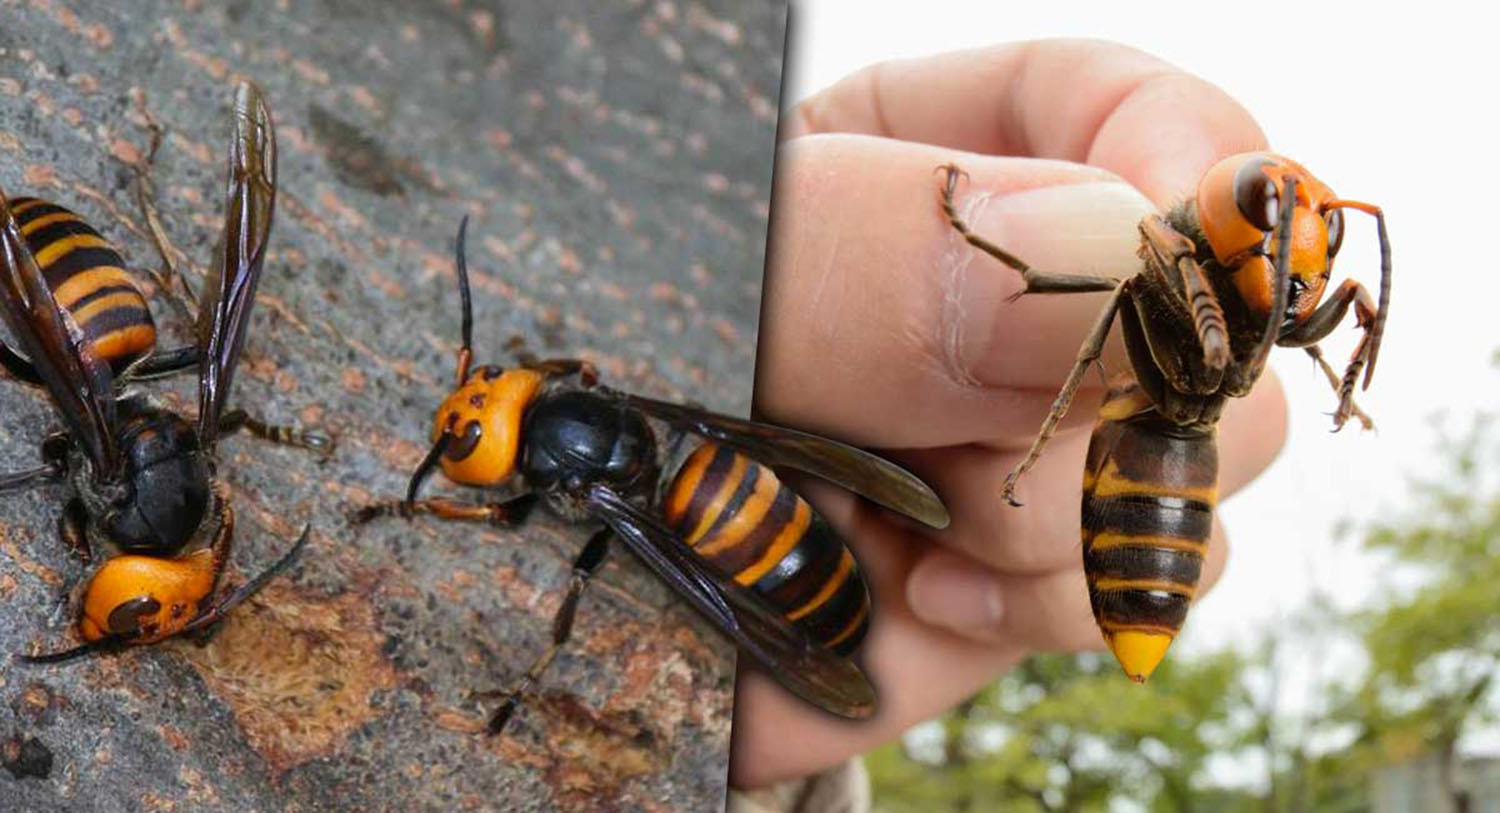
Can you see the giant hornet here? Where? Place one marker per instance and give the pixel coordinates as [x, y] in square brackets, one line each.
[723, 531]
[140, 477]
[1225, 275]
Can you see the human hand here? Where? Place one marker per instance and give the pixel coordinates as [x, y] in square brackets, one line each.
[883, 328]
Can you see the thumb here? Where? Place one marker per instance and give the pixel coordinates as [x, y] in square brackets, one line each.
[881, 326]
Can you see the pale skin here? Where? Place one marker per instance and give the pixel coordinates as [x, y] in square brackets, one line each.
[919, 354]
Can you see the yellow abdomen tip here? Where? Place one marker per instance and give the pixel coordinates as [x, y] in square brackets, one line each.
[1139, 652]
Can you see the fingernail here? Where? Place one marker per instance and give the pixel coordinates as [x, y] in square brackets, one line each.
[1083, 227]
[956, 594]
[1077, 228]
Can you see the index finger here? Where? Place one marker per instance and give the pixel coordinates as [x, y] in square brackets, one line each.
[1084, 101]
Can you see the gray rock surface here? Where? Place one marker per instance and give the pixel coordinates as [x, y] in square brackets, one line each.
[616, 161]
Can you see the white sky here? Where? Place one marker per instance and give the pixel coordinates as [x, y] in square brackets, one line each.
[1394, 106]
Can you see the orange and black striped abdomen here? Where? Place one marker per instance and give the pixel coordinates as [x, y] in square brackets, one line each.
[740, 517]
[1149, 489]
[89, 280]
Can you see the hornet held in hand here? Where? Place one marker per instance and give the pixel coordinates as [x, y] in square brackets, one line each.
[1224, 276]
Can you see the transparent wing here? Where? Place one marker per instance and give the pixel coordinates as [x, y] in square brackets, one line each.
[224, 310]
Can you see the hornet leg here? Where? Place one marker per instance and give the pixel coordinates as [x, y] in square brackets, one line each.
[1170, 249]
[1037, 282]
[183, 299]
[584, 567]
[508, 513]
[72, 529]
[164, 364]
[1088, 354]
[1333, 380]
[19, 367]
[1323, 321]
[310, 439]
[587, 373]
[31, 478]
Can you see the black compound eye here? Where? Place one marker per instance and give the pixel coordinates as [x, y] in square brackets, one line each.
[125, 619]
[465, 444]
[1335, 231]
[1256, 196]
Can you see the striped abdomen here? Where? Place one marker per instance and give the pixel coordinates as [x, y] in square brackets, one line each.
[88, 278]
[752, 528]
[1149, 488]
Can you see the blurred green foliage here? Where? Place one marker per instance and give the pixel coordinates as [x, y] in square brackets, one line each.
[1433, 644]
[1038, 740]
[1212, 732]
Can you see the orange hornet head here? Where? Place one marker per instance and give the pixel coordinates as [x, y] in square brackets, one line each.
[476, 438]
[142, 599]
[483, 419]
[1240, 202]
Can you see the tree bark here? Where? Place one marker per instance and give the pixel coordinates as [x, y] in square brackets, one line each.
[615, 159]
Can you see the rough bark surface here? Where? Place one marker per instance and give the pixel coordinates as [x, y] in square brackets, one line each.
[615, 159]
